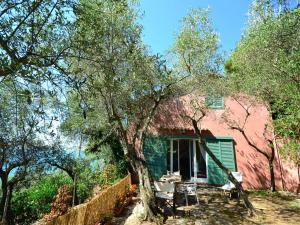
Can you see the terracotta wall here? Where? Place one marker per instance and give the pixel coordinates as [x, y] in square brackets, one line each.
[254, 166]
[91, 212]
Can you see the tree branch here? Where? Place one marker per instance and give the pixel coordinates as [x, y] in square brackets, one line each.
[32, 10]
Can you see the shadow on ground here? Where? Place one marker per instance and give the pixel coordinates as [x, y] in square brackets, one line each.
[216, 208]
[213, 208]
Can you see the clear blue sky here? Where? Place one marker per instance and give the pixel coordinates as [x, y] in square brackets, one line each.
[161, 20]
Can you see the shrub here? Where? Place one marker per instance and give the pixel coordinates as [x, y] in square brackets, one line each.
[30, 204]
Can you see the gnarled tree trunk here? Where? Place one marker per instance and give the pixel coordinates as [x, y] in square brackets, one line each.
[5, 205]
[138, 163]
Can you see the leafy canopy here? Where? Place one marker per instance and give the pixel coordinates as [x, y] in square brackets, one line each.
[266, 64]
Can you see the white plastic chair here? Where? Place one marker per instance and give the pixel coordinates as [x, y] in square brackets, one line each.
[230, 187]
[177, 173]
[166, 191]
[191, 190]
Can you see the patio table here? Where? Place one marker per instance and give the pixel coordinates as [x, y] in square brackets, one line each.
[171, 178]
[181, 187]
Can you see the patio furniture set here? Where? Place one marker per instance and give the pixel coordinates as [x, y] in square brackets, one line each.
[170, 186]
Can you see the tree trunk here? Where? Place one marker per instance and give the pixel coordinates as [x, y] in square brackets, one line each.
[72, 174]
[6, 215]
[238, 186]
[146, 192]
[274, 145]
[75, 200]
[4, 192]
[271, 167]
[147, 195]
[269, 158]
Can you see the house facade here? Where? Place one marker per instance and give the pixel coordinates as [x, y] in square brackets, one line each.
[171, 144]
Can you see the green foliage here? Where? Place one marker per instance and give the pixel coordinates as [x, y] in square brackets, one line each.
[91, 174]
[29, 204]
[196, 45]
[34, 37]
[109, 149]
[122, 80]
[284, 196]
[123, 83]
[86, 181]
[22, 144]
[291, 149]
[197, 55]
[115, 82]
[266, 64]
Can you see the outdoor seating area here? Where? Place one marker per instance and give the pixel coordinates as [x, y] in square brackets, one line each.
[175, 193]
[214, 208]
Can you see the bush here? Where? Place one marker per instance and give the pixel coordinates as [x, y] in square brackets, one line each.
[30, 204]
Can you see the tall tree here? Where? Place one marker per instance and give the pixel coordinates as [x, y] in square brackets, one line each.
[33, 37]
[21, 148]
[123, 83]
[265, 64]
[196, 51]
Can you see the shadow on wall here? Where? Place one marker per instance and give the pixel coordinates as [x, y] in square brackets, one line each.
[171, 115]
[255, 172]
[169, 121]
[289, 183]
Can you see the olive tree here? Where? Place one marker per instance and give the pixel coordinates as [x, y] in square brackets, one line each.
[196, 53]
[22, 148]
[123, 84]
[265, 64]
[34, 38]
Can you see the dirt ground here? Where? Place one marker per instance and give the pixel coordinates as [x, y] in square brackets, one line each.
[214, 208]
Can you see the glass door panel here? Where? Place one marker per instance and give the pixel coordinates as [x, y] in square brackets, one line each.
[201, 162]
[184, 159]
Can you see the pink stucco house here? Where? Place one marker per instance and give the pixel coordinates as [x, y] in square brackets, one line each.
[171, 144]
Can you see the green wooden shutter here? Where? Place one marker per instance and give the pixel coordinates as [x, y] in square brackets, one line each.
[215, 174]
[214, 102]
[223, 150]
[155, 151]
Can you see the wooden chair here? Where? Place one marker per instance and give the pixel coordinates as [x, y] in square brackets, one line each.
[166, 192]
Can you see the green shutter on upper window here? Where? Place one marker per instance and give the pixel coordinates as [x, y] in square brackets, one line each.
[214, 102]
